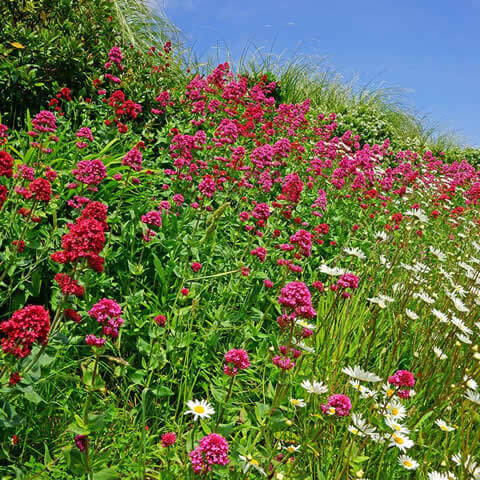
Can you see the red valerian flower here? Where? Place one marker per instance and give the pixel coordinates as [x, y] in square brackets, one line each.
[196, 267]
[20, 244]
[81, 442]
[168, 439]
[338, 405]
[6, 164]
[107, 312]
[41, 189]
[94, 341]
[25, 327]
[238, 359]
[14, 379]
[3, 195]
[212, 450]
[72, 315]
[68, 285]
[133, 159]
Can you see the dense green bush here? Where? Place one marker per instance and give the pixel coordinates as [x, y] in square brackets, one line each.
[47, 45]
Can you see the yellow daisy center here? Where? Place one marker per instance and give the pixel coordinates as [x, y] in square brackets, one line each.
[291, 449]
[331, 410]
[199, 409]
[397, 427]
[398, 440]
[254, 462]
[407, 463]
[394, 411]
[390, 392]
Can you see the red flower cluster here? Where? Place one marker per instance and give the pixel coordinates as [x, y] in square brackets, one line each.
[85, 239]
[25, 327]
[41, 190]
[68, 285]
[6, 164]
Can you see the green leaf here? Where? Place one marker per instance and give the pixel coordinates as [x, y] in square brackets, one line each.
[162, 391]
[106, 474]
[30, 394]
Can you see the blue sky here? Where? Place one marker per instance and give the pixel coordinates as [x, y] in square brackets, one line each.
[430, 49]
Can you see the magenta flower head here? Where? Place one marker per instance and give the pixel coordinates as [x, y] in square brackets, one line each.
[168, 439]
[296, 298]
[282, 362]
[133, 159]
[44, 122]
[107, 312]
[212, 450]
[237, 359]
[338, 405]
[90, 172]
[94, 341]
[402, 378]
[196, 266]
[348, 280]
[81, 442]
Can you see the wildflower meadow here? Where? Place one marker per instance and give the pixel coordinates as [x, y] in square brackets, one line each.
[199, 279]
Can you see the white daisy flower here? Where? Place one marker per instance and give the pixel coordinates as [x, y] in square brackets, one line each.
[381, 236]
[397, 426]
[332, 271]
[401, 441]
[361, 425]
[302, 323]
[304, 347]
[355, 252]
[314, 387]
[360, 374]
[395, 410]
[407, 462]
[441, 476]
[425, 297]
[438, 253]
[250, 462]
[384, 261]
[438, 352]
[292, 448]
[459, 305]
[473, 396]
[463, 338]
[419, 214]
[460, 325]
[297, 402]
[411, 314]
[470, 383]
[199, 409]
[444, 426]
[439, 315]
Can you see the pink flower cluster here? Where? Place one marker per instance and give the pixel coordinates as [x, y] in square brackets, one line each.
[90, 172]
[212, 450]
[297, 300]
[237, 359]
[86, 134]
[107, 312]
[44, 122]
[338, 405]
[133, 159]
